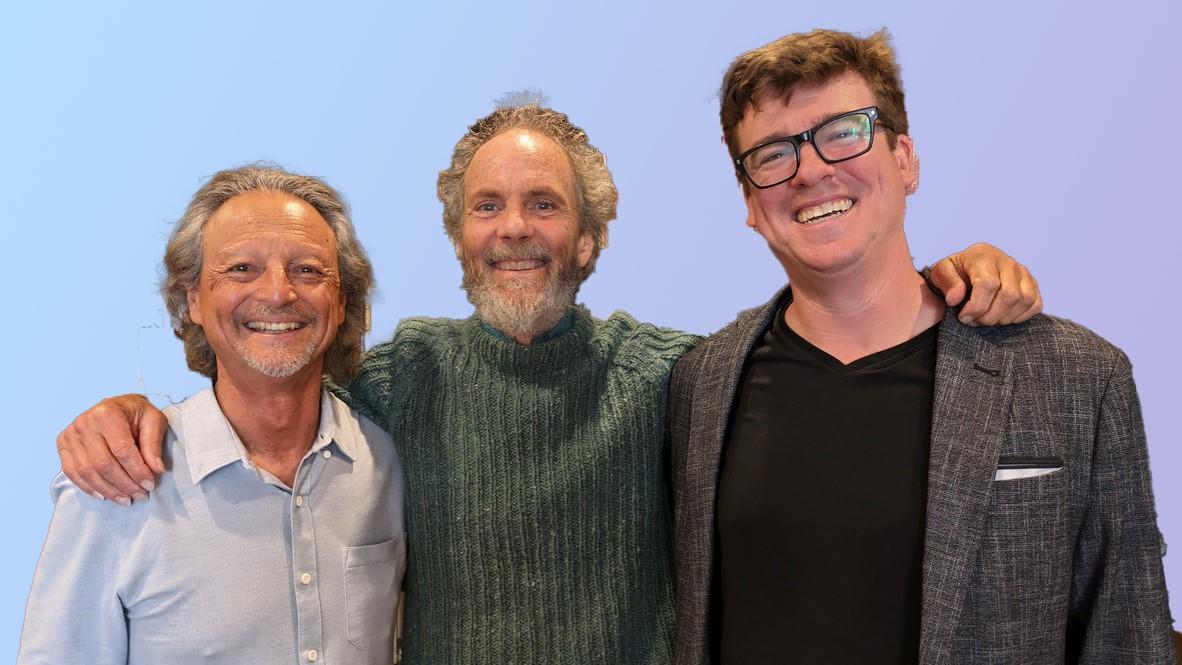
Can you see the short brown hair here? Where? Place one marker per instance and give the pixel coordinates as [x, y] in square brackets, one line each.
[183, 259]
[813, 57]
[595, 193]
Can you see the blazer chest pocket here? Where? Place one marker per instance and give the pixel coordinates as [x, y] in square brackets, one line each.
[373, 577]
[1026, 525]
[1017, 467]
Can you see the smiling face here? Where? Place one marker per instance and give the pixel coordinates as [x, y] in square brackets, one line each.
[829, 217]
[520, 243]
[269, 297]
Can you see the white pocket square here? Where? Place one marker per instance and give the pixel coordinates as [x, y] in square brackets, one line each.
[1015, 474]
[1015, 467]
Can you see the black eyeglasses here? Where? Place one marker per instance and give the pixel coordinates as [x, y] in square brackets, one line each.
[835, 140]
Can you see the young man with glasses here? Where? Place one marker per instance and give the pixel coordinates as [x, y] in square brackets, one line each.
[859, 477]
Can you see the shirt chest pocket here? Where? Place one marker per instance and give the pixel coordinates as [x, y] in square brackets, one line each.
[373, 577]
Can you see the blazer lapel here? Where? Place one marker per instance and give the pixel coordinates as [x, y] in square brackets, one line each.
[718, 390]
[970, 410]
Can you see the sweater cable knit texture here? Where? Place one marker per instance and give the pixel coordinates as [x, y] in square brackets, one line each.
[537, 504]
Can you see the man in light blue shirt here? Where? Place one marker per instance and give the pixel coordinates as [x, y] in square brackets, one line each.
[278, 536]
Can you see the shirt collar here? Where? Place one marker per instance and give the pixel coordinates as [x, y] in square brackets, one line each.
[217, 444]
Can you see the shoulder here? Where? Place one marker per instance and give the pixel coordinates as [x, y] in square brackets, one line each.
[640, 345]
[734, 337]
[358, 427]
[1046, 339]
[414, 337]
[89, 520]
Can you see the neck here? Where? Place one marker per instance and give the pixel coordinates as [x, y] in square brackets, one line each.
[857, 312]
[276, 419]
[546, 328]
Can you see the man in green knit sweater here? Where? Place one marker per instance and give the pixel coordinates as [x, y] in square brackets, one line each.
[531, 433]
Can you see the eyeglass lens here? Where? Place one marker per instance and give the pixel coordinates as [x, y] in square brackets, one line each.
[839, 139]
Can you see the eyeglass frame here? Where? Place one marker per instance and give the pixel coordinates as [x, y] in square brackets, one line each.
[808, 136]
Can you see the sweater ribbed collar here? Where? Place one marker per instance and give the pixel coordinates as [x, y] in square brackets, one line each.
[559, 346]
[562, 326]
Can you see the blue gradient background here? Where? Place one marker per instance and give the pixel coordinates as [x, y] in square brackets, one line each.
[1047, 128]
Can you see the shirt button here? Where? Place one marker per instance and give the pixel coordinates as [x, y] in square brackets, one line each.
[299, 501]
[306, 578]
[312, 655]
[327, 454]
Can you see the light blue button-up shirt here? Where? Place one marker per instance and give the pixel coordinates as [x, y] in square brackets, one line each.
[224, 563]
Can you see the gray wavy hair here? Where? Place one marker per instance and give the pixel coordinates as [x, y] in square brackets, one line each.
[595, 193]
[183, 255]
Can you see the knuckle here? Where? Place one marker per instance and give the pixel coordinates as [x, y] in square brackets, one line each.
[1009, 296]
[104, 466]
[986, 283]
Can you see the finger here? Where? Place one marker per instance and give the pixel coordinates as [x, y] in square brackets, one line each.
[1007, 302]
[115, 458]
[70, 468]
[1036, 300]
[153, 425]
[109, 435]
[77, 466]
[944, 276]
[102, 488]
[984, 285]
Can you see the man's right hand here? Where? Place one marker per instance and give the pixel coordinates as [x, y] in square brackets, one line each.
[99, 449]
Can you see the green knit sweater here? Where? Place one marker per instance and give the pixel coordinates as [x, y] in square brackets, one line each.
[537, 499]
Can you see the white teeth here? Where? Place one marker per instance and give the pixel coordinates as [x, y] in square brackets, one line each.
[811, 215]
[273, 327]
[519, 264]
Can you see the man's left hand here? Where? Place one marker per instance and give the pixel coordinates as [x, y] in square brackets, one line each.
[1001, 290]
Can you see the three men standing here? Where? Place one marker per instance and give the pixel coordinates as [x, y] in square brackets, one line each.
[532, 434]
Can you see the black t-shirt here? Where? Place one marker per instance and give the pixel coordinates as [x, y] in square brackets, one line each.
[821, 504]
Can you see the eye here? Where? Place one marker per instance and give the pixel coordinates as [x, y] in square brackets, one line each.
[485, 209]
[241, 267]
[769, 157]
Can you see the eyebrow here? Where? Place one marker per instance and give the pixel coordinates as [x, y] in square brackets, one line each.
[535, 191]
[777, 136]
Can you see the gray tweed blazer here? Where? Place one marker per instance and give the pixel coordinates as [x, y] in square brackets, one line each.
[1060, 567]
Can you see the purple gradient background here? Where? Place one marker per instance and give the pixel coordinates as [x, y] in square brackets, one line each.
[1049, 129]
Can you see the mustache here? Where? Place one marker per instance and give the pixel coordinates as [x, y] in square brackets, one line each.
[505, 250]
[262, 311]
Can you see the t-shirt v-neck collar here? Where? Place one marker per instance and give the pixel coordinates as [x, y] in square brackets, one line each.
[877, 360]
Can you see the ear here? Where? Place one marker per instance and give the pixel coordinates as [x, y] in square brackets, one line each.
[344, 301]
[907, 161]
[752, 209]
[583, 248]
[194, 305]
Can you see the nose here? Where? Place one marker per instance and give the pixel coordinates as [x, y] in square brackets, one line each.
[811, 169]
[275, 286]
[515, 224]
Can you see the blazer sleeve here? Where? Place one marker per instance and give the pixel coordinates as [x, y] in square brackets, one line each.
[74, 614]
[1118, 609]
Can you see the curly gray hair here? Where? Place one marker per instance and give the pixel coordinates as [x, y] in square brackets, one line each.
[183, 255]
[595, 193]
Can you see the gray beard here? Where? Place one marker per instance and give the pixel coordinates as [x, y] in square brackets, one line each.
[287, 363]
[282, 367]
[521, 313]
